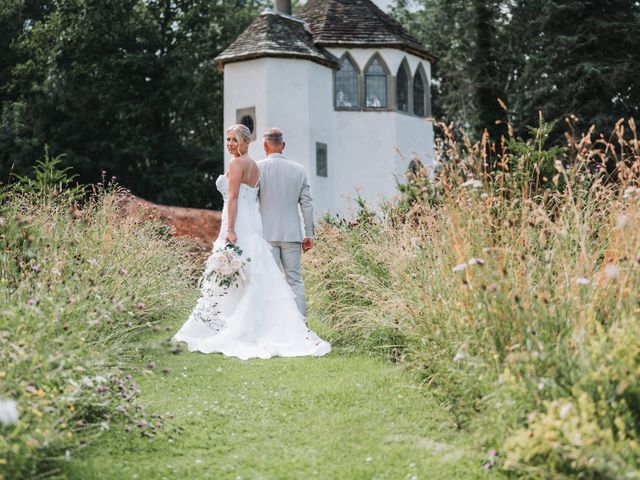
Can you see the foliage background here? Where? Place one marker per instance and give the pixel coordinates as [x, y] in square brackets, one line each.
[126, 86]
[561, 57]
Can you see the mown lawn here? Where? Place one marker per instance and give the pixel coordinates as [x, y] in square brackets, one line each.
[343, 416]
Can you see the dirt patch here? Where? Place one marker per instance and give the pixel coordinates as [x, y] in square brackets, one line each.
[200, 225]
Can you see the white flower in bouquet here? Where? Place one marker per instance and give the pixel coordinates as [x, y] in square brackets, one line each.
[235, 264]
[226, 265]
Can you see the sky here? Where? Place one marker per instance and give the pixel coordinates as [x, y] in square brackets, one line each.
[383, 4]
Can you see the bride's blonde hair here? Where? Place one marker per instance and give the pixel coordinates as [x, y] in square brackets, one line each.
[241, 131]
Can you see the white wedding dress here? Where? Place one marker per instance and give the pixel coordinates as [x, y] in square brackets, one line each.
[259, 318]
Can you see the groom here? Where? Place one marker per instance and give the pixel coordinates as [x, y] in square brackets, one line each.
[283, 186]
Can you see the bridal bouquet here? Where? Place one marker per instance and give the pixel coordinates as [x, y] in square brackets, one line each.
[225, 266]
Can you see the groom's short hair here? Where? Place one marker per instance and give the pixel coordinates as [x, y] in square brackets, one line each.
[274, 136]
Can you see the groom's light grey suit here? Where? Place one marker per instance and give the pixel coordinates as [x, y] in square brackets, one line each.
[284, 187]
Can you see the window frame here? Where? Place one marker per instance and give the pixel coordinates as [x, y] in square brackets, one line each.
[404, 66]
[346, 56]
[388, 85]
[322, 147]
[426, 94]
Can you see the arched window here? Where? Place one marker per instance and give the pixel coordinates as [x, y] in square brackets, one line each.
[420, 93]
[402, 88]
[375, 85]
[347, 84]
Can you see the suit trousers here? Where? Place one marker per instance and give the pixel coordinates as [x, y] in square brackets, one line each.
[288, 257]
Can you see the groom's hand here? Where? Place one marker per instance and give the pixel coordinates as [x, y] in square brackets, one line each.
[307, 244]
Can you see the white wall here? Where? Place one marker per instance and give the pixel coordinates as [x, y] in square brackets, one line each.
[364, 149]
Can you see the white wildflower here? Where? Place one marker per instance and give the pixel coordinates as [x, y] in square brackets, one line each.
[459, 268]
[9, 412]
[630, 192]
[622, 221]
[459, 356]
[611, 270]
[582, 281]
[86, 381]
[540, 386]
[564, 411]
[473, 183]
[476, 261]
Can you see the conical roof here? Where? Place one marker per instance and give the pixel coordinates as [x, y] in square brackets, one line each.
[357, 23]
[273, 34]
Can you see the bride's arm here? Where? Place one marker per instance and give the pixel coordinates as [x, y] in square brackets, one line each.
[235, 177]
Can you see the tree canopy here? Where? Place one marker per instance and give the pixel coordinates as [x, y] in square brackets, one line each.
[125, 86]
[560, 57]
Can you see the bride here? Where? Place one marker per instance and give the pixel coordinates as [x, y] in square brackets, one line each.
[259, 318]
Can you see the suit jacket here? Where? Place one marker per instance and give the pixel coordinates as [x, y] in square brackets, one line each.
[284, 187]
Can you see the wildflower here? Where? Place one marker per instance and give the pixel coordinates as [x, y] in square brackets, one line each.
[104, 426]
[459, 268]
[630, 192]
[31, 302]
[611, 270]
[35, 268]
[459, 356]
[122, 272]
[540, 386]
[473, 183]
[2, 222]
[151, 365]
[92, 261]
[86, 381]
[476, 261]
[582, 281]
[492, 287]
[141, 306]
[564, 411]
[622, 221]
[368, 459]
[9, 412]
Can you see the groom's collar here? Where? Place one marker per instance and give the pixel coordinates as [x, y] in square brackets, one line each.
[276, 155]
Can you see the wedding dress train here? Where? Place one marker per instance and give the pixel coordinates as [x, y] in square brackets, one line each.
[259, 318]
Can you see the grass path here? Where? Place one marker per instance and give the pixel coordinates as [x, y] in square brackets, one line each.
[343, 416]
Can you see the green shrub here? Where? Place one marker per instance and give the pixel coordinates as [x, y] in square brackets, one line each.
[79, 282]
[511, 291]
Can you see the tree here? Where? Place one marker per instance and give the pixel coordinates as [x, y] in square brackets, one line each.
[577, 57]
[560, 57]
[466, 38]
[126, 86]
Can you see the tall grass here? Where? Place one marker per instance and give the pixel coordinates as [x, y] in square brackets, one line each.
[78, 284]
[511, 284]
